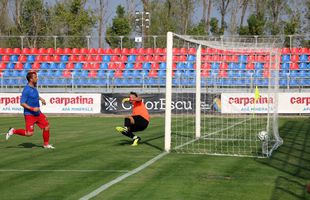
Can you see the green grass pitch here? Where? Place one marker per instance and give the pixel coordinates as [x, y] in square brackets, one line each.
[89, 153]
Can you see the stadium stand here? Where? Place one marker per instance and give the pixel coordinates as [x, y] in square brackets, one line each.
[136, 66]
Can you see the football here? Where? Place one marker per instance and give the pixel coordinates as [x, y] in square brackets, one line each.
[263, 135]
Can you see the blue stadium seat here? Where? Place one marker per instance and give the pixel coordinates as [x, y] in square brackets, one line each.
[16, 73]
[137, 73]
[101, 73]
[180, 65]
[249, 73]
[146, 65]
[191, 58]
[302, 65]
[78, 65]
[240, 66]
[294, 82]
[54, 65]
[129, 66]
[286, 58]
[24, 72]
[294, 73]
[127, 73]
[10, 65]
[162, 65]
[303, 58]
[27, 65]
[106, 58]
[31, 58]
[215, 65]
[285, 65]
[45, 66]
[258, 65]
[7, 73]
[242, 59]
[131, 58]
[104, 66]
[64, 58]
[283, 82]
[61, 66]
[14, 58]
[232, 66]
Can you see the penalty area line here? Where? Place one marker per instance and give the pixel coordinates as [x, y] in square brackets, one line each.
[124, 176]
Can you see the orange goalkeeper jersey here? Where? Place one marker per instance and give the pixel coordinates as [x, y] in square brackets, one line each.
[140, 109]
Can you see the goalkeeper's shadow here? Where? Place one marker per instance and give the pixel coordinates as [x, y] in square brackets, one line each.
[145, 142]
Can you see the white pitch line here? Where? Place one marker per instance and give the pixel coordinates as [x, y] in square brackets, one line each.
[120, 178]
[63, 170]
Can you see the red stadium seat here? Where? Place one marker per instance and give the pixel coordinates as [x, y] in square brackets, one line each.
[266, 73]
[192, 51]
[73, 58]
[39, 58]
[59, 51]
[223, 65]
[98, 58]
[8, 51]
[120, 65]
[141, 51]
[81, 58]
[294, 50]
[75, 51]
[133, 51]
[226, 58]
[50, 51]
[140, 58]
[42, 51]
[22, 58]
[100, 51]
[6, 58]
[154, 66]
[2, 51]
[206, 58]
[16, 51]
[118, 73]
[2, 66]
[223, 73]
[294, 58]
[182, 58]
[87, 66]
[205, 73]
[157, 58]
[175, 51]
[153, 73]
[112, 65]
[158, 51]
[148, 58]
[286, 51]
[56, 58]
[210, 51]
[183, 51]
[215, 57]
[19, 66]
[175, 58]
[96, 65]
[303, 51]
[92, 73]
[92, 51]
[250, 58]
[109, 51]
[137, 65]
[250, 66]
[47, 58]
[124, 51]
[294, 66]
[123, 58]
[83, 51]
[25, 51]
[206, 65]
[70, 66]
[149, 51]
[117, 51]
[36, 65]
[115, 58]
[67, 51]
[234, 58]
[34, 51]
[90, 58]
[66, 73]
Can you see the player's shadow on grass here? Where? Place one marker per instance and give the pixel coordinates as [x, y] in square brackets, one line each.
[144, 142]
[293, 157]
[27, 145]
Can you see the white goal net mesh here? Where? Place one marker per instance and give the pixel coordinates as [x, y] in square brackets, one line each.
[228, 89]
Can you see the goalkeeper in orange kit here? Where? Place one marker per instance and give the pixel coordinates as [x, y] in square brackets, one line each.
[138, 121]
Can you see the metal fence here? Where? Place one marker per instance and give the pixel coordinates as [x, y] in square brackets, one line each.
[153, 41]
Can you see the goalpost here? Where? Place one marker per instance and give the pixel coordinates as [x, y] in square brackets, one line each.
[230, 85]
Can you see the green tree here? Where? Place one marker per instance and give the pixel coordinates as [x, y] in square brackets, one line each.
[214, 24]
[256, 24]
[198, 29]
[71, 19]
[120, 27]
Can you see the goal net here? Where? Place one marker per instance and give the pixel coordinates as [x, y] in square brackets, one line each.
[230, 87]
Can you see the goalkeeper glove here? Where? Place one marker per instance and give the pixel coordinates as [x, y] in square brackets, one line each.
[125, 99]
